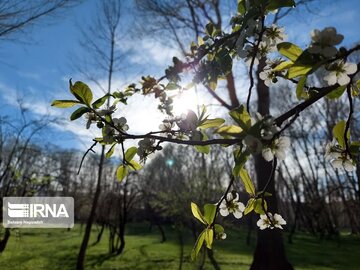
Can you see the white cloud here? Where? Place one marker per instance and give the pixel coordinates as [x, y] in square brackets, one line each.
[149, 51]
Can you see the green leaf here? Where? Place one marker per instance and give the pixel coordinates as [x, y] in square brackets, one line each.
[229, 130]
[82, 92]
[209, 237]
[205, 149]
[249, 186]
[130, 153]
[298, 70]
[211, 123]
[197, 213]
[276, 4]
[339, 131]
[300, 87]
[198, 245]
[337, 92]
[289, 50]
[259, 207]
[78, 113]
[209, 213]
[121, 172]
[241, 7]
[134, 165]
[64, 103]
[240, 159]
[249, 206]
[241, 116]
[172, 86]
[111, 151]
[99, 102]
[218, 229]
[354, 148]
[283, 65]
[213, 84]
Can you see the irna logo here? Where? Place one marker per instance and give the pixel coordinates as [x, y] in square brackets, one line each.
[31, 210]
[38, 212]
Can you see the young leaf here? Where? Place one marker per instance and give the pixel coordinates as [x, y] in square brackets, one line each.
[241, 7]
[229, 130]
[249, 186]
[283, 65]
[111, 151]
[135, 166]
[241, 116]
[82, 92]
[218, 229]
[198, 245]
[121, 172]
[78, 113]
[209, 237]
[289, 50]
[205, 149]
[298, 70]
[240, 159]
[249, 206]
[130, 153]
[259, 206]
[276, 4]
[197, 213]
[209, 213]
[338, 133]
[337, 92]
[211, 123]
[300, 87]
[64, 103]
[99, 102]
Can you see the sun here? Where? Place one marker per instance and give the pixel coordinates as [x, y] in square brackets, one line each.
[185, 101]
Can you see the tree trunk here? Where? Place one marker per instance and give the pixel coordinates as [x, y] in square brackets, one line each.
[4, 241]
[269, 252]
[84, 244]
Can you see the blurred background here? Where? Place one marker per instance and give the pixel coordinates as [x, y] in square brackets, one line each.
[145, 221]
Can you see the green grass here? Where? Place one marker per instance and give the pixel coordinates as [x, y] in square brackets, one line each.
[37, 249]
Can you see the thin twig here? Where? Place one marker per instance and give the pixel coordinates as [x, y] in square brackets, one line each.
[347, 126]
[256, 48]
[87, 151]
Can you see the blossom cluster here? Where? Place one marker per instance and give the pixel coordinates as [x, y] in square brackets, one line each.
[339, 158]
[271, 36]
[231, 205]
[269, 146]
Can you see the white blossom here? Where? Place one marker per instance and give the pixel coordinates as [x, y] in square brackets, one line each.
[270, 221]
[232, 205]
[339, 158]
[91, 118]
[121, 123]
[268, 76]
[339, 71]
[253, 144]
[275, 34]
[146, 147]
[277, 149]
[106, 111]
[323, 42]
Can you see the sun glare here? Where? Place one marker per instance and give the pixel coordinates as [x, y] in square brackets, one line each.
[185, 101]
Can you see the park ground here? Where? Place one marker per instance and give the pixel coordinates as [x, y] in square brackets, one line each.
[56, 249]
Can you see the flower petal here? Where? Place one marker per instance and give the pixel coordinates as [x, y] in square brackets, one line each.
[350, 68]
[343, 79]
[267, 154]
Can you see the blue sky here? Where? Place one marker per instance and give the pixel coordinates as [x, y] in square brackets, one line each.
[38, 68]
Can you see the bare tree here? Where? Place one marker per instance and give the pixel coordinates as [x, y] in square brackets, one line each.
[17, 16]
[100, 41]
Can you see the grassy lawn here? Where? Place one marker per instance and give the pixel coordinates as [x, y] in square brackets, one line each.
[52, 249]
